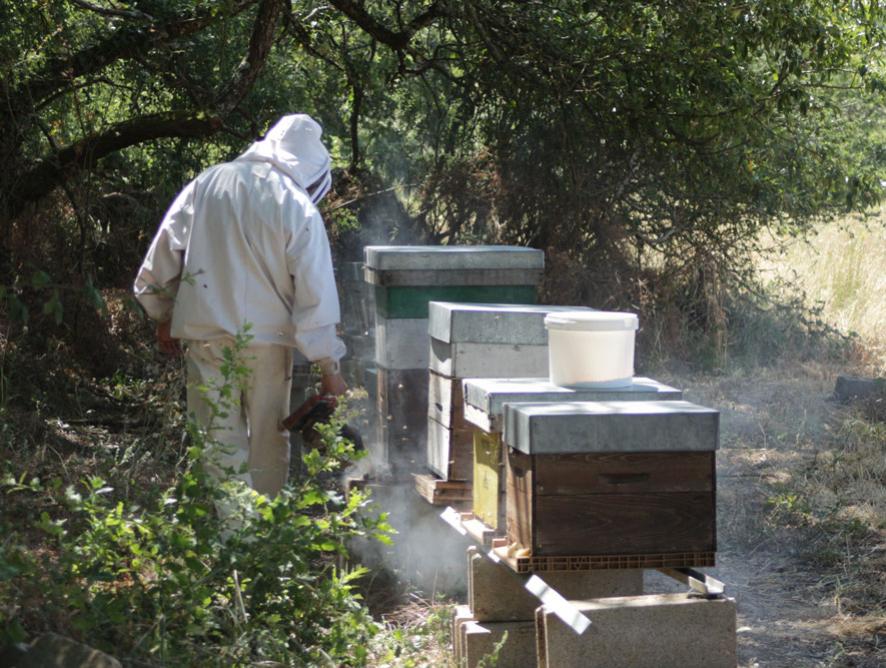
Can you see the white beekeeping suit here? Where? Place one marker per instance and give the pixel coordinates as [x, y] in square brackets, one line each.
[244, 245]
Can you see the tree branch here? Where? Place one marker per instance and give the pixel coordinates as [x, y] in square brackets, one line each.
[124, 43]
[263, 30]
[85, 153]
[113, 12]
[398, 41]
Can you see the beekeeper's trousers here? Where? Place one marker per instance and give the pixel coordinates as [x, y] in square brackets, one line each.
[241, 415]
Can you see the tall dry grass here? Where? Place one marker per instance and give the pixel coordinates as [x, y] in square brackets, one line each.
[841, 268]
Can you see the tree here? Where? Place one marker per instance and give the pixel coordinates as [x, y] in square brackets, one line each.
[653, 138]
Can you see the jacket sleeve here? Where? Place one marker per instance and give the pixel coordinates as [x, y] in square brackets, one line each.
[156, 283]
[315, 310]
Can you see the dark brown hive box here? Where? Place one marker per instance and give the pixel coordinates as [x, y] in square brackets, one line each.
[633, 480]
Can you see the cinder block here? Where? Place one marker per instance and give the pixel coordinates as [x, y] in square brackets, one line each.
[488, 396]
[460, 618]
[497, 594]
[654, 631]
[453, 322]
[610, 426]
[488, 360]
[401, 343]
[482, 641]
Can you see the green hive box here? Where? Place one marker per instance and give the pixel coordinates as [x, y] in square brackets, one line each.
[406, 278]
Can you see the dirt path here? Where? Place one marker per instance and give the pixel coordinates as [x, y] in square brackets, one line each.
[791, 606]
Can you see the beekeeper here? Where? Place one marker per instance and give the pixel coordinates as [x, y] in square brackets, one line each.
[243, 250]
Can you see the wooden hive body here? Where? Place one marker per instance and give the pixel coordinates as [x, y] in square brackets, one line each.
[485, 401]
[612, 479]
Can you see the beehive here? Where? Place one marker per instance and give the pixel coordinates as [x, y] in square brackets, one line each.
[469, 340]
[624, 480]
[484, 406]
[404, 279]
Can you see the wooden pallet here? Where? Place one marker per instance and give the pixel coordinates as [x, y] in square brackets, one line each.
[455, 493]
[542, 564]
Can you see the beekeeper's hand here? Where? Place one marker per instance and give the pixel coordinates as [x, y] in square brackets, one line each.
[334, 384]
[167, 344]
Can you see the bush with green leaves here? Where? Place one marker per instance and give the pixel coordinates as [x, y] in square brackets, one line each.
[177, 583]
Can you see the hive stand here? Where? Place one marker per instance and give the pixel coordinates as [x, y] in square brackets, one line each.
[596, 488]
[590, 618]
[651, 631]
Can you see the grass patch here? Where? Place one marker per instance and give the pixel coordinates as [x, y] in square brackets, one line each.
[841, 272]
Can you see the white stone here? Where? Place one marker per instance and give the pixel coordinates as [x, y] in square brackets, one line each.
[479, 643]
[498, 594]
[652, 631]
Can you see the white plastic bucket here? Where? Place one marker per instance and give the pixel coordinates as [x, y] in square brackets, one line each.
[591, 348]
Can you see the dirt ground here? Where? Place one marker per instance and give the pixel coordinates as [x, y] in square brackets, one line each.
[810, 583]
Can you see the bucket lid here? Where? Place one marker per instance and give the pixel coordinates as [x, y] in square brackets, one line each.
[592, 320]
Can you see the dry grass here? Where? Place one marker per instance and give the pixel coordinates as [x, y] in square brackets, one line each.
[842, 270]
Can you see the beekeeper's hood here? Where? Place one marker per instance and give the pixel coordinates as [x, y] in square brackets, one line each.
[293, 146]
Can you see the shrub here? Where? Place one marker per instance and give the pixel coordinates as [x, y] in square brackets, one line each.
[173, 583]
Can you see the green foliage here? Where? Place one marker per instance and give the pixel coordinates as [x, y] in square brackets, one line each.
[426, 643]
[206, 573]
[643, 145]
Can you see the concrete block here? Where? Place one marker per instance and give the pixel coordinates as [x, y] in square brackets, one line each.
[481, 642]
[488, 360]
[610, 426]
[489, 395]
[461, 616]
[401, 343]
[491, 323]
[451, 258]
[654, 631]
[497, 594]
